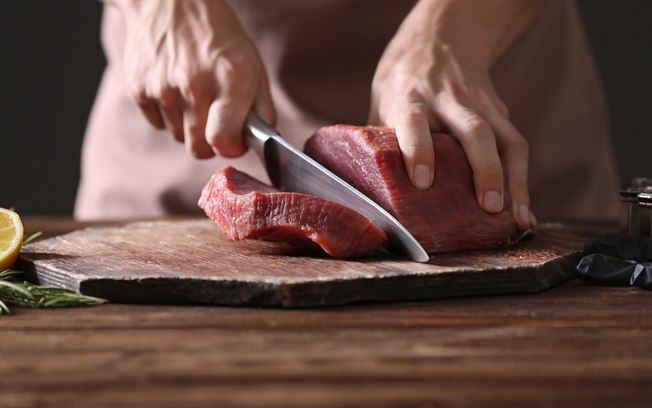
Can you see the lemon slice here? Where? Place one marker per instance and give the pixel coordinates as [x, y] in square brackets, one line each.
[11, 238]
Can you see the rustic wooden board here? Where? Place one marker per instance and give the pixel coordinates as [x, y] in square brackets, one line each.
[190, 261]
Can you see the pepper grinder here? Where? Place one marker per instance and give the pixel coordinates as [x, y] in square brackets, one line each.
[629, 212]
[645, 212]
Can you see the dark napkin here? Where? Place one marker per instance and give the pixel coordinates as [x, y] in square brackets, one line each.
[617, 259]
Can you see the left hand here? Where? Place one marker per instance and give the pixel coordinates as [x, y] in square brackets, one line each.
[438, 81]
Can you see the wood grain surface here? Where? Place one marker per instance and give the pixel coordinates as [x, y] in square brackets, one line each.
[574, 345]
[190, 261]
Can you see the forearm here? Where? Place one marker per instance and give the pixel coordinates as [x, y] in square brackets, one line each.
[479, 29]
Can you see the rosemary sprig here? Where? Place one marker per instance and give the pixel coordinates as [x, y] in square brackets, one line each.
[32, 237]
[26, 294]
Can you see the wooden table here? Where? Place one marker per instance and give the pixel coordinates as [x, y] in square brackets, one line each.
[573, 345]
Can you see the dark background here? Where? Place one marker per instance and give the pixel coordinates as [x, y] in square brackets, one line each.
[55, 62]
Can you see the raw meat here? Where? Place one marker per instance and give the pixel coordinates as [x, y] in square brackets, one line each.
[445, 217]
[244, 208]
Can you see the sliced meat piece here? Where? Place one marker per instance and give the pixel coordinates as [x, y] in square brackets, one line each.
[243, 207]
[445, 217]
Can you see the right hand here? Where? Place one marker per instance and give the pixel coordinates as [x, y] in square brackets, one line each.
[191, 68]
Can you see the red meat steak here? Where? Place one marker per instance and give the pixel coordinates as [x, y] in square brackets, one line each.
[243, 207]
[445, 217]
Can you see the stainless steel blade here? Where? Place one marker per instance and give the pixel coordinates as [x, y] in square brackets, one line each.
[290, 169]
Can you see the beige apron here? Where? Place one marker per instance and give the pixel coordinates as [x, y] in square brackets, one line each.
[321, 56]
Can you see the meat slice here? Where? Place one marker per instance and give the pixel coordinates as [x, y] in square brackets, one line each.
[243, 207]
[445, 217]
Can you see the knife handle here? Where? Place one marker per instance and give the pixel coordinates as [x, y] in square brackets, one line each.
[256, 132]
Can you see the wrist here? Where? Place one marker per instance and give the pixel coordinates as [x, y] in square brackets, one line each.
[125, 6]
[129, 9]
[478, 30]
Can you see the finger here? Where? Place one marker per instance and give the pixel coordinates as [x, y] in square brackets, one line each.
[197, 93]
[492, 103]
[535, 223]
[415, 143]
[479, 143]
[193, 128]
[227, 114]
[226, 119]
[373, 118]
[264, 105]
[147, 106]
[514, 150]
[171, 108]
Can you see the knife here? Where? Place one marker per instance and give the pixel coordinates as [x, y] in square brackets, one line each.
[290, 169]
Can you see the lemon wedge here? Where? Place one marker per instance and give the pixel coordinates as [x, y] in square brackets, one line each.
[11, 237]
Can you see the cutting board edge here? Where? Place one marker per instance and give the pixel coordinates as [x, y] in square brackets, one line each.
[168, 290]
[332, 293]
[48, 276]
[446, 285]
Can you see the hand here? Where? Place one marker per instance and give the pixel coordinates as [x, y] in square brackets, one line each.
[191, 68]
[429, 81]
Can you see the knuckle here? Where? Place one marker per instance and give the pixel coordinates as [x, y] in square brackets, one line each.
[226, 108]
[238, 81]
[193, 131]
[227, 144]
[193, 87]
[476, 126]
[410, 113]
[216, 140]
[519, 146]
[169, 97]
[220, 140]
[229, 70]
[489, 173]
[161, 91]
[137, 93]
[520, 190]
[416, 145]
[412, 92]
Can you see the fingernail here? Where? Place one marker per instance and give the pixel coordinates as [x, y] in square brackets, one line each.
[421, 176]
[492, 202]
[523, 214]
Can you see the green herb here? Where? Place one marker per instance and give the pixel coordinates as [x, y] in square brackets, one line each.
[32, 237]
[21, 293]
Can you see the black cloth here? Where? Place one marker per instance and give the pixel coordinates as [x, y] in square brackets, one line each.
[617, 259]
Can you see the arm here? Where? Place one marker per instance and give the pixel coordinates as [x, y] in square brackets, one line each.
[192, 69]
[434, 75]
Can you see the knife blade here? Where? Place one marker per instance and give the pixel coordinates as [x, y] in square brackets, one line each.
[290, 169]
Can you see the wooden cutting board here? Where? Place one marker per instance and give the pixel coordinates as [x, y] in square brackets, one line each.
[190, 261]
